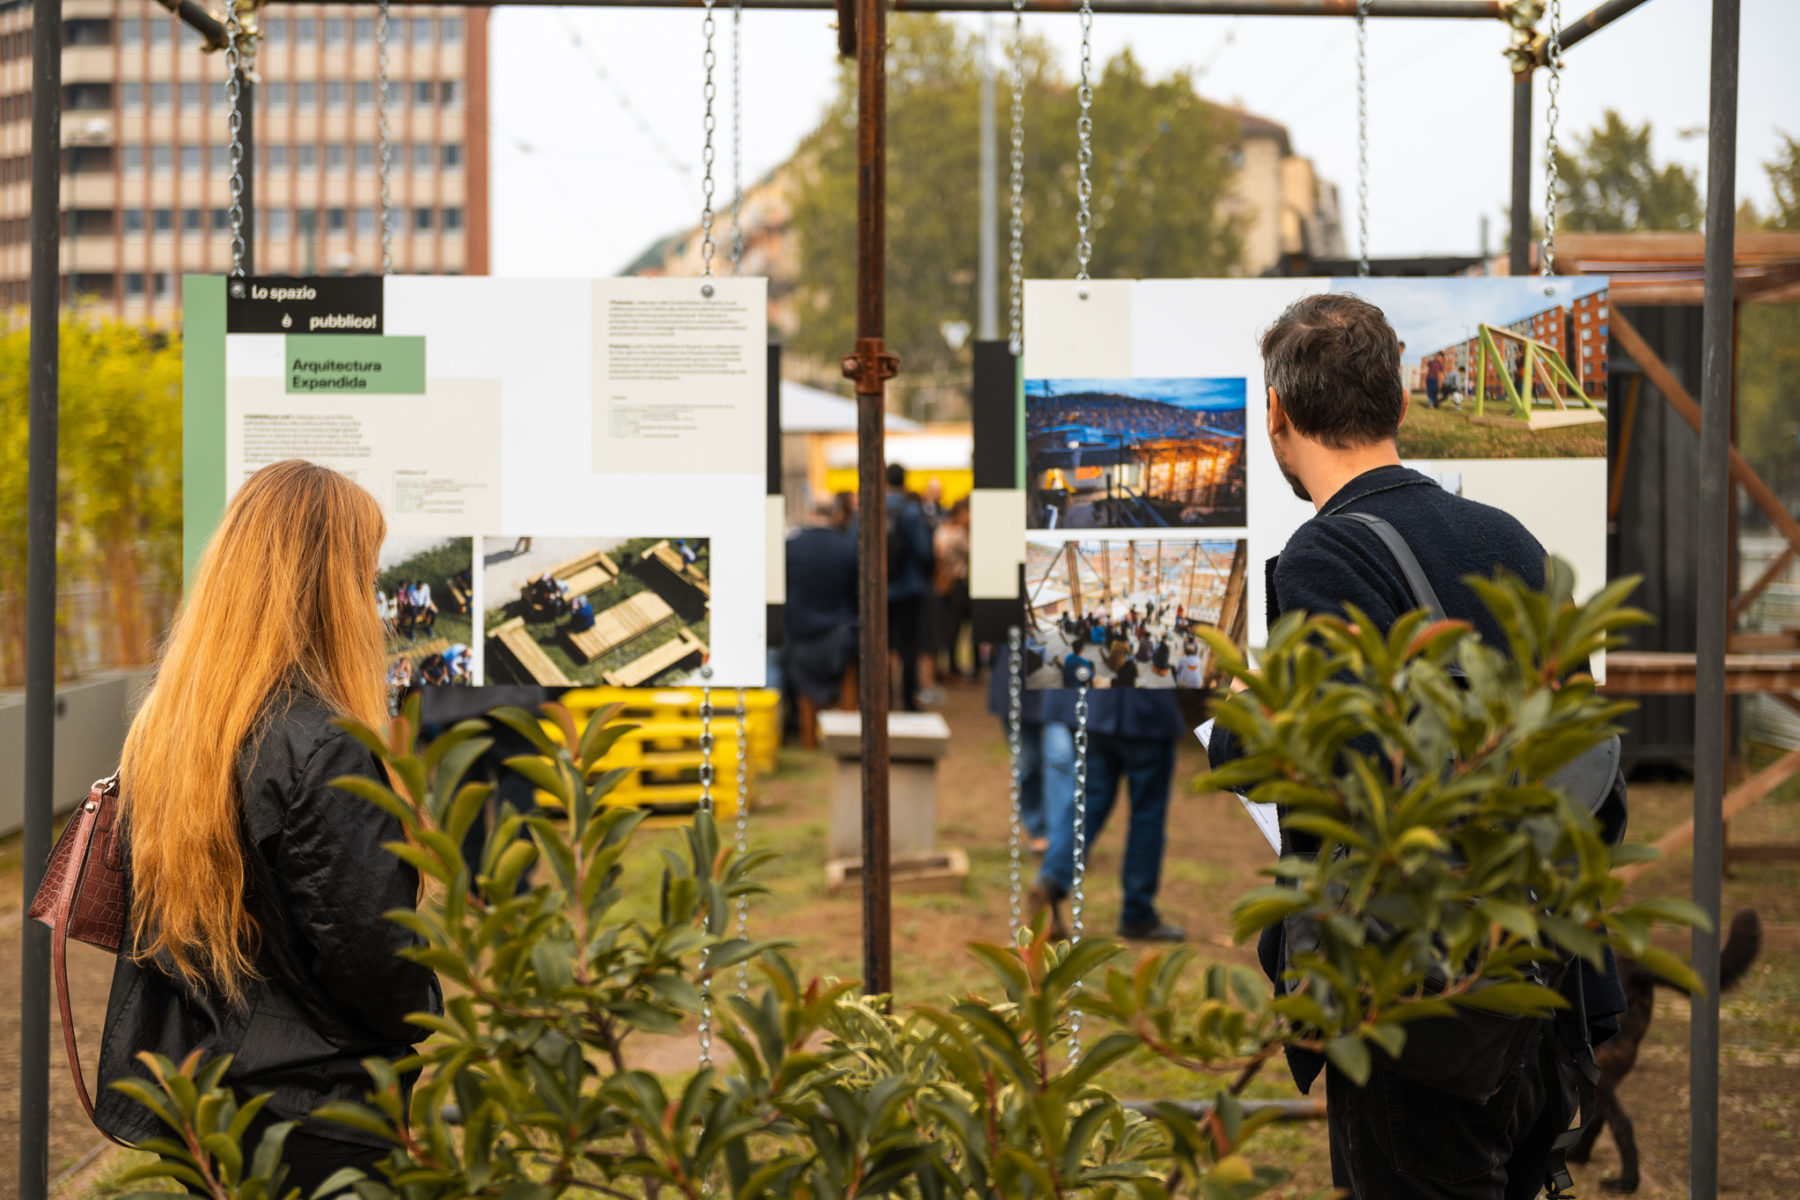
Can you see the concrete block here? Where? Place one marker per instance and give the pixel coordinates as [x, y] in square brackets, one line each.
[92, 716]
[916, 741]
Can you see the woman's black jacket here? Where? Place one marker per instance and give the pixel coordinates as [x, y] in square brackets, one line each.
[330, 990]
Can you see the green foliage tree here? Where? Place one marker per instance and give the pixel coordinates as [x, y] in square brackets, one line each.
[1161, 169]
[1610, 183]
[1784, 181]
[118, 482]
[1478, 871]
[1768, 359]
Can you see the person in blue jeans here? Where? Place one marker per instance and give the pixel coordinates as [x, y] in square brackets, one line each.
[1131, 740]
[1046, 756]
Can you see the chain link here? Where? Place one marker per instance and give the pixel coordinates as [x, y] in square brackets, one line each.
[710, 90]
[706, 806]
[384, 138]
[1553, 60]
[1084, 149]
[737, 150]
[743, 828]
[234, 122]
[1078, 883]
[1016, 296]
[1015, 702]
[1362, 136]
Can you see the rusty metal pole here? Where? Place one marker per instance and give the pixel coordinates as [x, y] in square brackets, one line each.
[870, 367]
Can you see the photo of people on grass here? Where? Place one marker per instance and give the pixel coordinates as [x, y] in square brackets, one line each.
[623, 612]
[1498, 367]
[1134, 453]
[1129, 611]
[422, 590]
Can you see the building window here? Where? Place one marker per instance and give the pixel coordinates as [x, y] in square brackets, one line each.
[452, 156]
[365, 93]
[131, 96]
[1601, 312]
[451, 30]
[162, 221]
[162, 159]
[306, 158]
[1602, 330]
[336, 94]
[306, 94]
[191, 220]
[161, 94]
[275, 159]
[190, 160]
[449, 93]
[134, 285]
[279, 223]
[334, 31]
[221, 160]
[306, 30]
[159, 31]
[134, 221]
[365, 31]
[221, 220]
[1586, 317]
[275, 30]
[453, 220]
[131, 160]
[1585, 334]
[131, 31]
[365, 156]
[217, 97]
[336, 220]
[334, 158]
[421, 220]
[306, 220]
[164, 283]
[275, 95]
[87, 96]
[421, 31]
[365, 221]
[190, 95]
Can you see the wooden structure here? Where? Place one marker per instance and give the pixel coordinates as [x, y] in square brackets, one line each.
[585, 572]
[666, 556]
[630, 618]
[529, 655]
[1540, 364]
[642, 670]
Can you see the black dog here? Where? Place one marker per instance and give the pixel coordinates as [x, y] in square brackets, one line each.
[1619, 1053]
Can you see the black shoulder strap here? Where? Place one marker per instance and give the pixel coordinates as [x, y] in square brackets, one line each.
[1423, 593]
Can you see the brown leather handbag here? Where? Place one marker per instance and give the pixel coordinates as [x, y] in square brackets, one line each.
[83, 897]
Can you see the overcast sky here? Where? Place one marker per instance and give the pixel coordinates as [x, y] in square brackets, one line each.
[597, 146]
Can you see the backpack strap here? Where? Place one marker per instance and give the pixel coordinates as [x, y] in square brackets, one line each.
[1424, 595]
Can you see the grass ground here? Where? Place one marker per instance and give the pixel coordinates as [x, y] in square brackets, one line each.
[1447, 433]
[1213, 855]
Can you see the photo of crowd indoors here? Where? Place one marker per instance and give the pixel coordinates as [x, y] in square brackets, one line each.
[621, 612]
[423, 593]
[1129, 611]
[1134, 453]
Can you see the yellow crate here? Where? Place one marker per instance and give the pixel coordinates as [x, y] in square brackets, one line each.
[664, 759]
[666, 706]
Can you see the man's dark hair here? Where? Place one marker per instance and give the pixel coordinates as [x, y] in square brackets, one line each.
[896, 475]
[1334, 361]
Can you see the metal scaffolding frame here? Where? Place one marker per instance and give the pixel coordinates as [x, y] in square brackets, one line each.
[861, 33]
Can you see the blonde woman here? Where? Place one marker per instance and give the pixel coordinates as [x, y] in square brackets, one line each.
[257, 888]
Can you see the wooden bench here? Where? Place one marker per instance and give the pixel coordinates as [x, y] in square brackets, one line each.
[678, 566]
[529, 654]
[619, 624]
[585, 572]
[657, 661]
[459, 599]
[420, 650]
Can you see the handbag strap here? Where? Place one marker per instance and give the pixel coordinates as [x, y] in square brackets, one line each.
[59, 965]
[1424, 595]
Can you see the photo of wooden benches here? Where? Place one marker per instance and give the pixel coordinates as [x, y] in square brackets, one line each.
[625, 612]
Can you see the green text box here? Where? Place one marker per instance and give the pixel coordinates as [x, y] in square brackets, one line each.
[334, 364]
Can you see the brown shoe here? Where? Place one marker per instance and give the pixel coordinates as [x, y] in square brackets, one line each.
[1038, 899]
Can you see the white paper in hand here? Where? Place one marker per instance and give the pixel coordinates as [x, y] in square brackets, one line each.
[1267, 819]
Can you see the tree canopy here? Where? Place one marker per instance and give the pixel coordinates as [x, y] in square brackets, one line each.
[1162, 164]
[1610, 183]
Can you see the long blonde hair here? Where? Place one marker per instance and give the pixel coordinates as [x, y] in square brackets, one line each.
[283, 595]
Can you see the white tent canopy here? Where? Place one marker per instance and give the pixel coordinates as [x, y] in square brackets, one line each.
[807, 409]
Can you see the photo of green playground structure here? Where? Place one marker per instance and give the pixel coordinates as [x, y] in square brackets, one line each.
[422, 590]
[1496, 366]
[621, 612]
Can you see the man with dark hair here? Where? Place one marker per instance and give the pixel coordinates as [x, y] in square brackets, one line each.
[1335, 402]
[910, 562]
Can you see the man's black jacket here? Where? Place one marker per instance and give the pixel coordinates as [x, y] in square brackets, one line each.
[1330, 564]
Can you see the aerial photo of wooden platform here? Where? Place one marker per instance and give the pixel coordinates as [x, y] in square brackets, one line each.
[677, 566]
[586, 572]
[529, 654]
[640, 670]
[622, 622]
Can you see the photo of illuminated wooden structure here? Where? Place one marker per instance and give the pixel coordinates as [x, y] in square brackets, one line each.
[1134, 454]
[1131, 608]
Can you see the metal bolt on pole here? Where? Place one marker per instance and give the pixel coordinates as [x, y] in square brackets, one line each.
[40, 592]
[1710, 569]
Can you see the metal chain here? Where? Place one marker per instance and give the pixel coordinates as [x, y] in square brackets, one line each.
[1016, 298]
[1553, 60]
[737, 148]
[1015, 700]
[1078, 883]
[1362, 136]
[743, 828]
[708, 58]
[384, 137]
[234, 122]
[706, 806]
[1084, 151]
